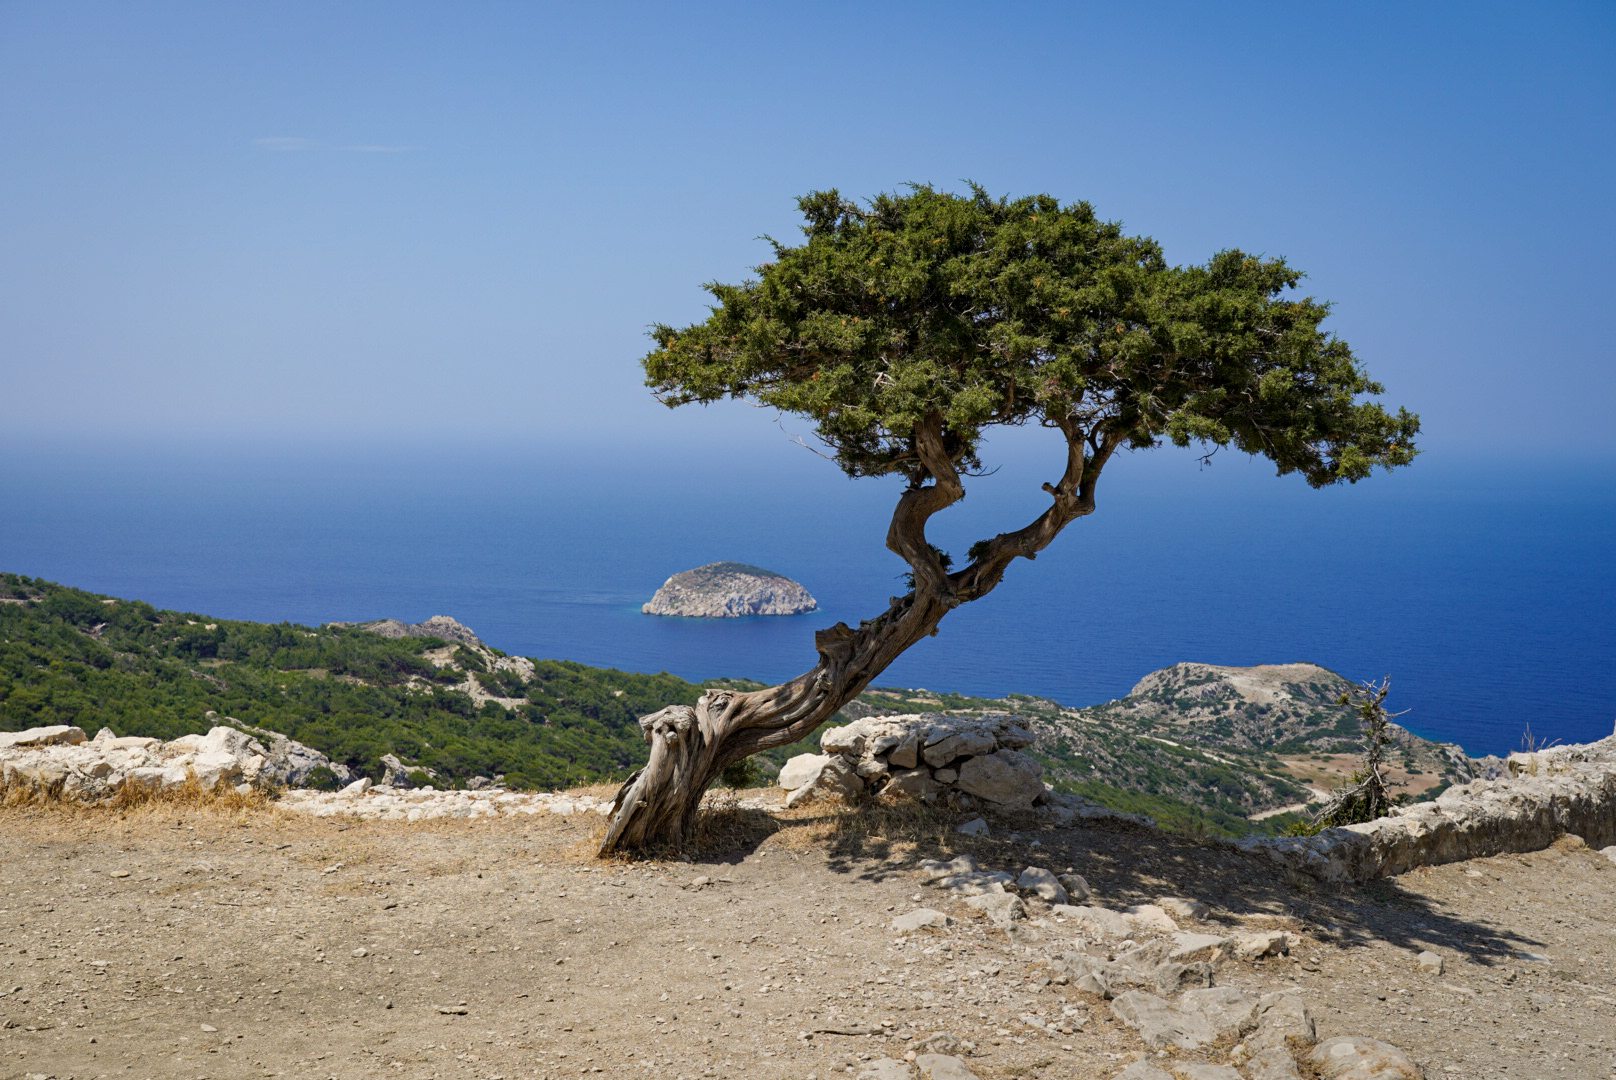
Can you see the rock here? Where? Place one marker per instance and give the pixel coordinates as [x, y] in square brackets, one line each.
[1231, 1011]
[1148, 966]
[884, 1069]
[800, 769]
[1201, 1071]
[946, 776]
[975, 827]
[1098, 921]
[1150, 917]
[943, 1067]
[1430, 962]
[1355, 1057]
[1282, 1021]
[1609, 853]
[1181, 907]
[1006, 777]
[288, 762]
[358, 787]
[1042, 884]
[1189, 948]
[1076, 885]
[1572, 791]
[394, 772]
[1162, 1025]
[1272, 1063]
[912, 784]
[438, 626]
[1265, 943]
[949, 746]
[834, 779]
[906, 755]
[1001, 908]
[920, 919]
[55, 735]
[933, 870]
[1143, 1070]
[728, 590]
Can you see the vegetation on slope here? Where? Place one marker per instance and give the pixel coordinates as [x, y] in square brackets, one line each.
[72, 657]
[1189, 747]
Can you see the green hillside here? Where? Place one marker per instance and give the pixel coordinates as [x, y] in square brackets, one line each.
[72, 657]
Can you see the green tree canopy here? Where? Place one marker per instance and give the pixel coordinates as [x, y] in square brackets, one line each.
[980, 311]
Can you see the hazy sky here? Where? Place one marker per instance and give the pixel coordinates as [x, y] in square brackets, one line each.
[328, 220]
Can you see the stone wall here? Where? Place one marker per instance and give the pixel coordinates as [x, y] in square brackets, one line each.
[1538, 798]
[62, 762]
[952, 760]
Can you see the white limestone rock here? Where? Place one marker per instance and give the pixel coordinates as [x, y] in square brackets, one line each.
[920, 919]
[1007, 778]
[1042, 884]
[1356, 1057]
[834, 779]
[729, 590]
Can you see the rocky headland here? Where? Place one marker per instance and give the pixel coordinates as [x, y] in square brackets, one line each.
[443, 627]
[729, 590]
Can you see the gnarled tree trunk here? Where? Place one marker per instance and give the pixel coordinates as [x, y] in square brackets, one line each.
[691, 745]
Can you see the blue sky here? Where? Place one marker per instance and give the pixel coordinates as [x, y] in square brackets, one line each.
[339, 221]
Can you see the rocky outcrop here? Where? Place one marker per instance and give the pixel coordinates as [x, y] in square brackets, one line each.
[60, 762]
[728, 590]
[1539, 798]
[1158, 980]
[443, 627]
[954, 760]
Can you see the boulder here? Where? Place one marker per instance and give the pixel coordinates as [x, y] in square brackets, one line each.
[920, 919]
[1355, 1057]
[1265, 943]
[1162, 1025]
[1042, 884]
[1008, 778]
[834, 779]
[1150, 917]
[1097, 921]
[55, 735]
[948, 746]
[912, 784]
[800, 769]
[1189, 948]
[1001, 908]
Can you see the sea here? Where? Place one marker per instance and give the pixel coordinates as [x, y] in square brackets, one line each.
[1486, 590]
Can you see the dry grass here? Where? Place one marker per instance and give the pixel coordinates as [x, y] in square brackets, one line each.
[189, 795]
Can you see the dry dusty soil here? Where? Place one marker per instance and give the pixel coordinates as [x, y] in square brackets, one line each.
[185, 942]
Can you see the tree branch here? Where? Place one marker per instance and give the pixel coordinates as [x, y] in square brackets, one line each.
[906, 537]
[1072, 497]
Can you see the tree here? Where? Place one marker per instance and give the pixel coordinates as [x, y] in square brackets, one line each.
[905, 329]
[1367, 795]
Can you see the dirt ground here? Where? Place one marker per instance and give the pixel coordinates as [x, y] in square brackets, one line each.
[184, 942]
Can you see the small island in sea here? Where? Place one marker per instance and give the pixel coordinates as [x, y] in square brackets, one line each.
[725, 590]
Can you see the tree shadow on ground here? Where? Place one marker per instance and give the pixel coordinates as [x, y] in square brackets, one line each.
[1124, 863]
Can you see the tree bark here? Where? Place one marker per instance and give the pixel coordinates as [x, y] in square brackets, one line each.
[690, 745]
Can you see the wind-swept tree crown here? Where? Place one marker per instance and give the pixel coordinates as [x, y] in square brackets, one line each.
[959, 312]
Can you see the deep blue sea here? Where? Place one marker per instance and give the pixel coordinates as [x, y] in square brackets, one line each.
[1487, 592]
